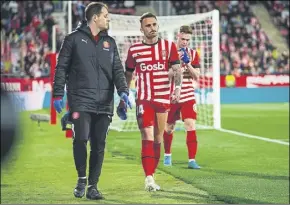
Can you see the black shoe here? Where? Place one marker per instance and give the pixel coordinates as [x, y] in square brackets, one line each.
[93, 193]
[80, 189]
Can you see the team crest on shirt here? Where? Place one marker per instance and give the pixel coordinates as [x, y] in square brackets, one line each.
[106, 44]
[164, 54]
[75, 115]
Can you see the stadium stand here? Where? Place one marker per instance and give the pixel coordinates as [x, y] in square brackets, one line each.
[279, 10]
[26, 32]
[245, 47]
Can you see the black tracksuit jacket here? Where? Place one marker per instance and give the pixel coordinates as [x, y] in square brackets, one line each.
[91, 70]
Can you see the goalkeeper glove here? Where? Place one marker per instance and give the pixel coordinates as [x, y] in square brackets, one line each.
[185, 58]
[58, 104]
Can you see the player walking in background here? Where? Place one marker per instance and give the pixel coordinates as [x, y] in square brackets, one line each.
[90, 63]
[187, 105]
[151, 60]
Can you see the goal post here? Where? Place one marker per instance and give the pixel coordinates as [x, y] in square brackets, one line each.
[125, 30]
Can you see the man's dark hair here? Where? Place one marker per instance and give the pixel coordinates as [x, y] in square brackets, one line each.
[185, 29]
[147, 15]
[94, 8]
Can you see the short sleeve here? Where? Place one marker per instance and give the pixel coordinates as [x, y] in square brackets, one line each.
[173, 56]
[130, 62]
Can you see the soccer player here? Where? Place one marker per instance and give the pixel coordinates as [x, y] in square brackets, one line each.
[186, 108]
[151, 60]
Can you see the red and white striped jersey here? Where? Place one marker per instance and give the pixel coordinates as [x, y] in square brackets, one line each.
[187, 89]
[151, 65]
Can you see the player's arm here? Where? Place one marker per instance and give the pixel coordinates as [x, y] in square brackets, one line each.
[118, 74]
[62, 67]
[194, 71]
[194, 67]
[177, 73]
[130, 67]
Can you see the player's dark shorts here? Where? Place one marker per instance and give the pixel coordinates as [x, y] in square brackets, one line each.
[86, 125]
[146, 112]
[185, 110]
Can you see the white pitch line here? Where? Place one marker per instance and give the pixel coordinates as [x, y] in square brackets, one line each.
[254, 137]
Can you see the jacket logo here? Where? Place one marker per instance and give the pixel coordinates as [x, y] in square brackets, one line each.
[106, 44]
[86, 41]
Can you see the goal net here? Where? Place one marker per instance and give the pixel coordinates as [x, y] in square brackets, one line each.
[205, 39]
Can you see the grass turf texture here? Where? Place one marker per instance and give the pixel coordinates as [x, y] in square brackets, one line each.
[234, 169]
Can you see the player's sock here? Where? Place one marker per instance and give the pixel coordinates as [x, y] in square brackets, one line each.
[156, 154]
[147, 154]
[191, 143]
[167, 138]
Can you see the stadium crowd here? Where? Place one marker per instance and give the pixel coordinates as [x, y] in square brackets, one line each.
[245, 47]
[26, 32]
[279, 10]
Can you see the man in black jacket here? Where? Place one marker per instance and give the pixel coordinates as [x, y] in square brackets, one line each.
[90, 66]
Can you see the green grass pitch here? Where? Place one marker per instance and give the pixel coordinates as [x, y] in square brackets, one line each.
[235, 169]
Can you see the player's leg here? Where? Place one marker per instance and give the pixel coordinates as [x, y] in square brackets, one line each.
[98, 134]
[145, 118]
[167, 139]
[159, 127]
[173, 116]
[81, 128]
[189, 114]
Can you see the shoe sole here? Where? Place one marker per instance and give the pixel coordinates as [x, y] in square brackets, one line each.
[79, 196]
[193, 168]
[98, 198]
[167, 165]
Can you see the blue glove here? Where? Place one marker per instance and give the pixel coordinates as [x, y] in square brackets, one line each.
[122, 110]
[122, 107]
[125, 98]
[58, 104]
[65, 121]
[185, 58]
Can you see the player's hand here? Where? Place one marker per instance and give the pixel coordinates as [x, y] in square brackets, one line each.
[58, 104]
[124, 97]
[176, 95]
[122, 110]
[184, 57]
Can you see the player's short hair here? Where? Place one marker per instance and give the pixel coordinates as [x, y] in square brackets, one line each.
[147, 15]
[185, 29]
[94, 8]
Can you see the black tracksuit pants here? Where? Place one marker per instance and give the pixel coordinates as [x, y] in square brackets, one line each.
[93, 127]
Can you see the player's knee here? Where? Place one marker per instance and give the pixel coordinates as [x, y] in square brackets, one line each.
[169, 128]
[147, 133]
[189, 124]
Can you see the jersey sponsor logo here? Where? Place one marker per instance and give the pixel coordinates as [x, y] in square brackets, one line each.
[149, 67]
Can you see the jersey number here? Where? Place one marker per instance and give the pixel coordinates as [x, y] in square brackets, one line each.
[140, 110]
